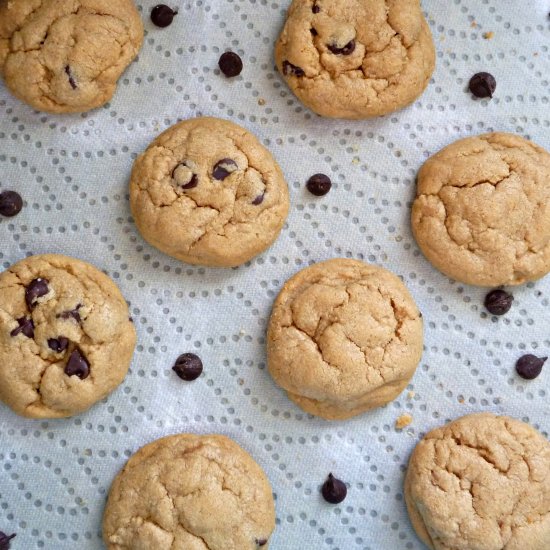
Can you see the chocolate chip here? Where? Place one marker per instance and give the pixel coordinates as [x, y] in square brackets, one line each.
[77, 365]
[315, 8]
[184, 177]
[261, 542]
[71, 314]
[530, 366]
[313, 31]
[36, 289]
[348, 49]
[5, 540]
[162, 15]
[319, 185]
[188, 366]
[224, 168]
[292, 70]
[334, 490]
[483, 85]
[58, 344]
[11, 203]
[498, 302]
[26, 327]
[230, 64]
[259, 199]
[71, 79]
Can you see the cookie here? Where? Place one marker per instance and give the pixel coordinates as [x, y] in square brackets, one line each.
[481, 482]
[65, 56]
[66, 340]
[356, 58]
[207, 192]
[482, 210]
[344, 337]
[190, 492]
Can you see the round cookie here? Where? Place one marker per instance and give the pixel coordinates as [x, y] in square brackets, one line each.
[65, 56]
[207, 192]
[66, 340]
[482, 210]
[356, 58]
[190, 492]
[344, 337]
[481, 482]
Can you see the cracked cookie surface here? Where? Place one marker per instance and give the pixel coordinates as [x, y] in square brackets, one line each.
[207, 192]
[190, 492]
[64, 56]
[66, 340]
[482, 211]
[344, 337]
[355, 58]
[481, 482]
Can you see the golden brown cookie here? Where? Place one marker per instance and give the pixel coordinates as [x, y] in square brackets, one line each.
[344, 337]
[207, 192]
[190, 492]
[66, 340]
[356, 58]
[481, 482]
[482, 210]
[65, 56]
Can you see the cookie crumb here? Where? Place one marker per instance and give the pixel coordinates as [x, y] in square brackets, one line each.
[410, 395]
[403, 421]
[488, 35]
[261, 101]
[473, 25]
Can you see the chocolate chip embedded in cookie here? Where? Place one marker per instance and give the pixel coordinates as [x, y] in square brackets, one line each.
[187, 491]
[356, 58]
[481, 482]
[65, 338]
[65, 56]
[344, 337]
[208, 193]
[482, 214]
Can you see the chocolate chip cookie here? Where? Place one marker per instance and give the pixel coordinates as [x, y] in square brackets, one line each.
[65, 56]
[482, 210]
[356, 58]
[66, 340]
[190, 492]
[207, 192]
[344, 337]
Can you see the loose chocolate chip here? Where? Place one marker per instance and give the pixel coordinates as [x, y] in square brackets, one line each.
[348, 49]
[530, 366]
[292, 70]
[77, 365]
[26, 327]
[224, 168]
[71, 79]
[188, 367]
[319, 185]
[71, 314]
[261, 542]
[162, 15]
[315, 8]
[184, 177]
[5, 540]
[58, 344]
[498, 302]
[334, 490]
[11, 203]
[483, 85]
[259, 199]
[36, 289]
[230, 64]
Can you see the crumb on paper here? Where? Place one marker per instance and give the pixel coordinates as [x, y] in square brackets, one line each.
[240, 381]
[410, 395]
[473, 25]
[355, 160]
[242, 332]
[442, 38]
[403, 421]
[261, 101]
[461, 400]
[488, 35]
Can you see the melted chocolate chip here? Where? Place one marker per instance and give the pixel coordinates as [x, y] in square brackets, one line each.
[292, 70]
[11, 203]
[319, 185]
[348, 49]
[72, 314]
[530, 366]
[162, 15]
[259, 199]
[498, 302]
[334, 490]
[315, 8]
[230, 64]
[36, 289]
[58, 345]
[483, 85]
[71, 78]
[313, 31]
[77, 365]
[5, 540]
[26, 327]
[184, 177]
[188, 367]
[224, 168]
[261, 542]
